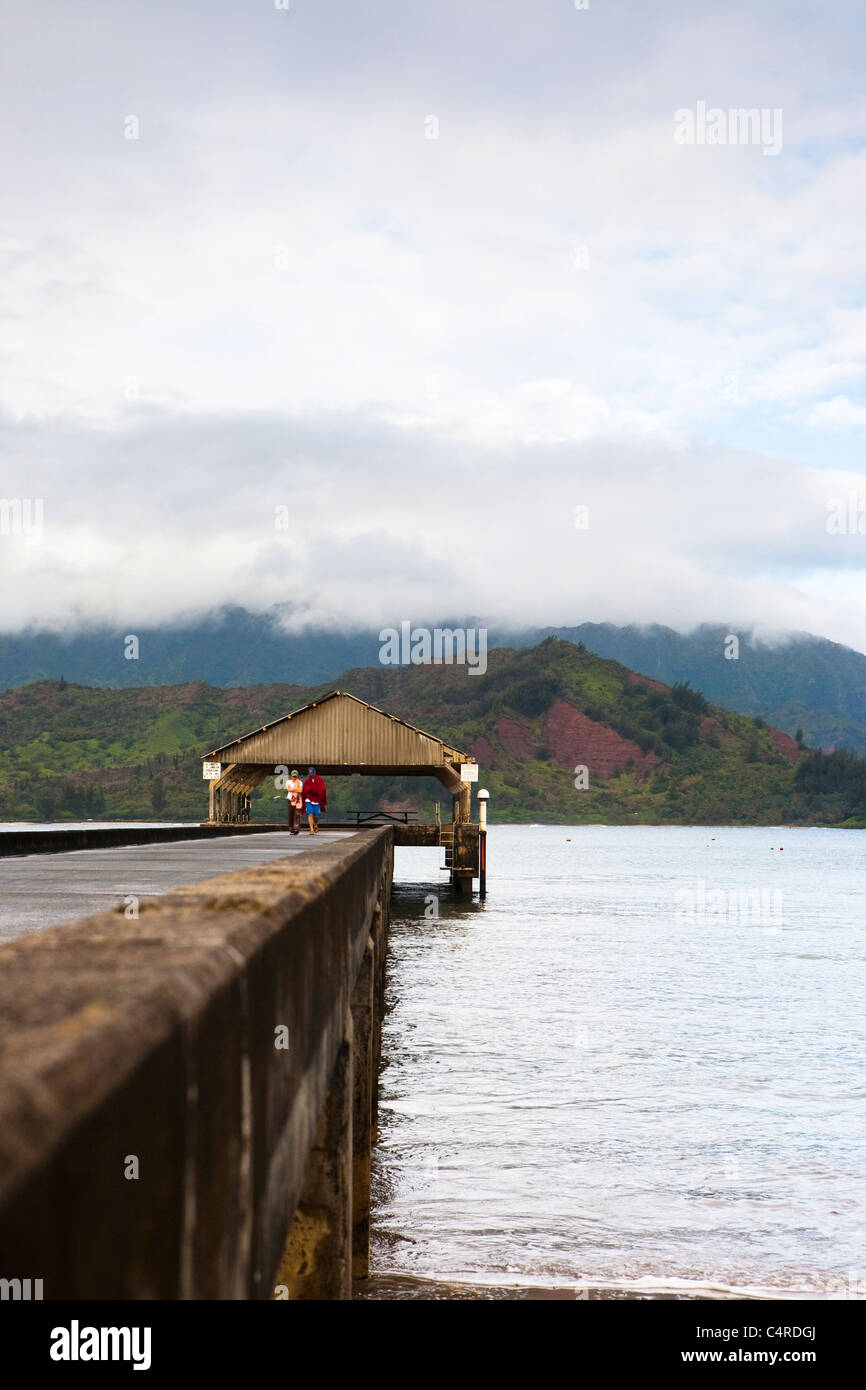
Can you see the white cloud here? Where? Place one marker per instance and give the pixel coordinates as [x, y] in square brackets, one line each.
[282, 293]
[837, 413]
[412, 523]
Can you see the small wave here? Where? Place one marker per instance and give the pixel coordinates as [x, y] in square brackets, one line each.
[459, 1285]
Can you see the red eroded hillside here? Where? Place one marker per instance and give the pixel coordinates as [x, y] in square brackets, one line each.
[572, 739]
[787, 745]
[482, 752]
[516, 736]
[635, 679]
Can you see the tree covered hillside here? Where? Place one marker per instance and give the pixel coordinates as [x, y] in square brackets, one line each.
[561, 735]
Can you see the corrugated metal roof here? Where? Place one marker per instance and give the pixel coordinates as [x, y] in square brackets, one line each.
[342, 737]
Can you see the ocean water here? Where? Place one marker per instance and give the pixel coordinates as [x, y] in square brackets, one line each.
[640, 1065]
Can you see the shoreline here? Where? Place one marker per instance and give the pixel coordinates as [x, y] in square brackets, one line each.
[406, 1287]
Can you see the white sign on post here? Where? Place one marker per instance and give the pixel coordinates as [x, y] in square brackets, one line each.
[211, 771]
[468, 772]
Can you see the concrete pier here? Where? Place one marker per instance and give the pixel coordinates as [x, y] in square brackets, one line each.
[46, 889]
[187, 1100]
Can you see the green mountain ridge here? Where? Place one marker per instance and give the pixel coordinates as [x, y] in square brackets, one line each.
[653, 754]
[793, 681]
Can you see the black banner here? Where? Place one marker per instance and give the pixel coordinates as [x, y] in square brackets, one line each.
[608, 1337]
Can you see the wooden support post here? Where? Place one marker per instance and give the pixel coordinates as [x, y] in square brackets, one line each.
[363, 1007]
[462, 804]
[462, 810]
[317, 1260]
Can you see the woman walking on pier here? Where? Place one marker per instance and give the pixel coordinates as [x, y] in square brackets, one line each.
[295, 801]
[315, 799]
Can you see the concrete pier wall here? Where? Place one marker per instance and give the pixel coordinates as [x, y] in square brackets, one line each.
[187, 1101]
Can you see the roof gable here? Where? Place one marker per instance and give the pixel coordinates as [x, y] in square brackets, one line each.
[339, 728]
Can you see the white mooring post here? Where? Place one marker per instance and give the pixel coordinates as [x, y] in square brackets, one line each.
[483, 798]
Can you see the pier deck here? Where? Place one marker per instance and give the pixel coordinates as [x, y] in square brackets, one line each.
[44, 890]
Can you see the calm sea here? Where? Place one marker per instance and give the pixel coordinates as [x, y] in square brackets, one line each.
[641, 1062]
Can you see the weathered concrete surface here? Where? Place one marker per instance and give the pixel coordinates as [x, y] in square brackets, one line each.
[366, 1073]
[44, 890]
[464, 859]
[419, 834]
[154, 1041]
[317, 1260]
[465, 839]
[59, 839]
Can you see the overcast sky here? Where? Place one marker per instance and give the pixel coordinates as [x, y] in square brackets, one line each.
[423, 277]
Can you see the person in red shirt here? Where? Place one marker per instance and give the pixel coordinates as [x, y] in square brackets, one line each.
[315, 799]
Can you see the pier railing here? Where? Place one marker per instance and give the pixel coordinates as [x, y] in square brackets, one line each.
[188, 1100]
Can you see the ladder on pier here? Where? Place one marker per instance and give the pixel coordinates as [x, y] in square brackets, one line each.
[446, 838]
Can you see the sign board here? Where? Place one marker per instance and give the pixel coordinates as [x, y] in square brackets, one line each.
[468, 772]
[211, 771]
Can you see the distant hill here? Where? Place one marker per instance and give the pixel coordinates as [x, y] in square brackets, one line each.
[654, 754]
[225, 648]
[802, 682]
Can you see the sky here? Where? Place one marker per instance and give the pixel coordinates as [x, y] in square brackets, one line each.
[430, 310]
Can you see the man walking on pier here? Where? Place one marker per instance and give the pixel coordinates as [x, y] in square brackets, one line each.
[295, 801]
[315, 799]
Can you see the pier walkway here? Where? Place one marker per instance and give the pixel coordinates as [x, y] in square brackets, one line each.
[43, 890]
